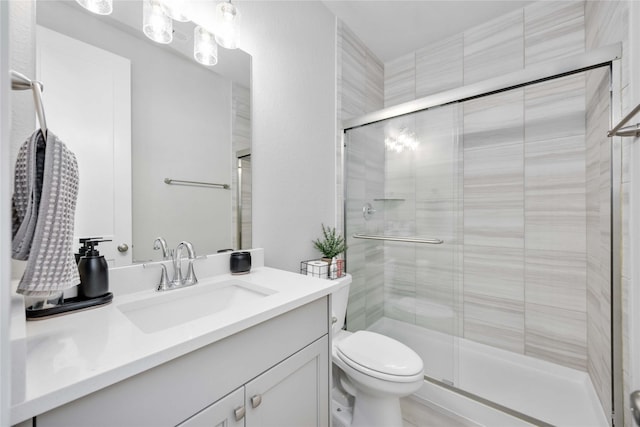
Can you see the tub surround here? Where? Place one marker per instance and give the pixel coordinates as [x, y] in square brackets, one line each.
[71, 356]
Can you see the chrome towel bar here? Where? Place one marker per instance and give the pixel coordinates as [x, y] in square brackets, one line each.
[195, 183]
[398, 239]
[633, 130]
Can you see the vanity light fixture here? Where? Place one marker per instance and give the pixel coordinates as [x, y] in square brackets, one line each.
[205, 49]
[156, 25]
[227, 21]
[101, 7]
[178, 10]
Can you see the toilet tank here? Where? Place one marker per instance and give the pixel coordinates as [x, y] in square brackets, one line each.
[339, 301]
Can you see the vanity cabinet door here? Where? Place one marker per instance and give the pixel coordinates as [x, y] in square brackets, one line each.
[295, 392]
[226, 412]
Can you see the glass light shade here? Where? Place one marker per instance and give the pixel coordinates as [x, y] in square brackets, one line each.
[205, 49]
[155, 23]
[178, 10]
[101, 7]
[227, 22]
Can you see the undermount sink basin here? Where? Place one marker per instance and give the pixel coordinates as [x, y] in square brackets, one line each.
[179, 306]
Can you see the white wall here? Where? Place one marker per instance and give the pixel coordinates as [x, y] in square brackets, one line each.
[293, 49]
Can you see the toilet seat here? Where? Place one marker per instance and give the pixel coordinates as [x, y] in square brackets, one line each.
[380, 357]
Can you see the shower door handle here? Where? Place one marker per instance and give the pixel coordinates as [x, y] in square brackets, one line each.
[635, 406]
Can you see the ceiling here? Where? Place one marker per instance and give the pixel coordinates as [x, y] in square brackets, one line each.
[392, 28]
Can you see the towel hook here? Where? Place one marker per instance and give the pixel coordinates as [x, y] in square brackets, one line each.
[21, 82]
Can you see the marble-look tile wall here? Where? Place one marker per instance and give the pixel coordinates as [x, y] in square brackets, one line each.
[529, 279]
[360, 91]
[599, 235]
[606, 22]
[523, 154]
[542, 31]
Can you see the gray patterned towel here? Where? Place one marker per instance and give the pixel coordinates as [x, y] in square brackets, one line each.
[44, 204]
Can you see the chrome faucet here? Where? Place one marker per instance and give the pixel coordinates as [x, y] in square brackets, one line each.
[160, 243]
[178, 280]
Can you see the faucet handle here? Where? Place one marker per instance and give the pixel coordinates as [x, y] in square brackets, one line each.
[164, 284]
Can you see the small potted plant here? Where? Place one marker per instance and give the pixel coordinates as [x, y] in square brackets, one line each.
[330, 245]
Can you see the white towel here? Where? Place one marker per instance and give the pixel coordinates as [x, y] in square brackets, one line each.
[44, 204]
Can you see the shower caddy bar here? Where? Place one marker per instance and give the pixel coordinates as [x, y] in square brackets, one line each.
[633, 130]
[21, 82]
[398, 239]
[171, 181]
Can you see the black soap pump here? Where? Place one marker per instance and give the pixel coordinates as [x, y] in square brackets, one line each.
[82, 251]
[94, 271]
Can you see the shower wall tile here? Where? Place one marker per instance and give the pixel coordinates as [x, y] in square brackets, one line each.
[437, 162]
[555, 198]
[556, 335]
[557, 279]
[400, 283]
[374, 255]
[494, 321]
[553, 30]
[493, 197]
[494, 48]
[361, 76]
[374, 83]
[494, 120]
[555, 109]
[481, 264]
[353, 68]
[400, 80]
[439, 66]
[435, 293]
[606, 22]
[356, 265]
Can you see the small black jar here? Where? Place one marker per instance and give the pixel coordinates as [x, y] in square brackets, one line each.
[240, 262]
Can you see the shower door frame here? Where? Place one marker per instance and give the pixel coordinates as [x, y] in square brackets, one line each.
[605, 56]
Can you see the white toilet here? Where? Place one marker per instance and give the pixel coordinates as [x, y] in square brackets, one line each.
[376, 370]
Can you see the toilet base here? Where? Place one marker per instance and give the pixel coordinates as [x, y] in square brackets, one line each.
[375, 411]
[341, 414]
[368, 411]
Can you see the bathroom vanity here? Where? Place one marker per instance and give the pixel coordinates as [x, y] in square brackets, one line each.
[260, 359]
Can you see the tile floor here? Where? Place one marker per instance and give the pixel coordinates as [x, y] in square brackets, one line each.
[420, 413]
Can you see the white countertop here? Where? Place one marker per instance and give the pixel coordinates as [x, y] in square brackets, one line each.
[67, 357]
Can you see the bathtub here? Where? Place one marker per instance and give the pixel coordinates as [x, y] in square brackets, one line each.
[533, 390]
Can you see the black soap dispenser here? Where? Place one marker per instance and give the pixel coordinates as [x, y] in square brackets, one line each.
[94, 271]
[82, 250]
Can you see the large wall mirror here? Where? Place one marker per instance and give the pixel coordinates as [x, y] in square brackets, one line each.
[137, 114]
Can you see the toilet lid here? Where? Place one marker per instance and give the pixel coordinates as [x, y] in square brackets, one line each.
[380, 354]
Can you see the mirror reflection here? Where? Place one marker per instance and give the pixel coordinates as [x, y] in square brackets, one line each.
[138, 114]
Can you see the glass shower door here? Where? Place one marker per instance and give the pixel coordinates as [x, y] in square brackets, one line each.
[402, 228]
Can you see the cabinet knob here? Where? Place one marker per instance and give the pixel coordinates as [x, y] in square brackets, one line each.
[123, 247]
[239, 413]
[256, 400]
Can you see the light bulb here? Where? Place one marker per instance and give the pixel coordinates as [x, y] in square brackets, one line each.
[155, 23]
[101, 7]
[205, 49]
[227, 21]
